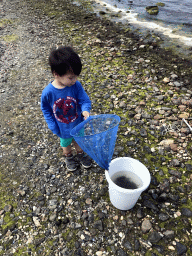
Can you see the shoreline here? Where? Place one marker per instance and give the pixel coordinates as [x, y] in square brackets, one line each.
[167, 37]
[46, 210]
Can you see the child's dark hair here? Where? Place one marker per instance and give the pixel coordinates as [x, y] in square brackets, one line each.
[63, 60]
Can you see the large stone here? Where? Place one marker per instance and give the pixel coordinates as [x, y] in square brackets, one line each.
[164, 186]
[175, 173]
[8, 208]
[166, 142]
[152, 10]
[160, 4]
[154, 237]
[169, 234]
[149, 204]
[99, 225]
[184, 115]
[36, 221]
[175, 162]
[121, 253]
[166, 80]
[52, 217]
[189, 167]
[181, 248]
[128, 245]
[146, 226]
[163, 216]
[186, 212]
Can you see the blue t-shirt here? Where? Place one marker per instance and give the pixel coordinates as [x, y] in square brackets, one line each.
[62, 108]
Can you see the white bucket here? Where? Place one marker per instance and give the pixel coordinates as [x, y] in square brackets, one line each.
[121, 198]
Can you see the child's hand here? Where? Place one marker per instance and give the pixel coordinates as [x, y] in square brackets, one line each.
[85, 114]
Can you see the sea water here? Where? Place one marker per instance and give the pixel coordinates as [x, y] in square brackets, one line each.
[127, 180]
[173, 22]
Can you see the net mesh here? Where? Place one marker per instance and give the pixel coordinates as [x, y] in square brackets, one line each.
[97, 136]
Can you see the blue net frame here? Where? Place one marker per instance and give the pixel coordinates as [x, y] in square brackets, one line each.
[97, 136]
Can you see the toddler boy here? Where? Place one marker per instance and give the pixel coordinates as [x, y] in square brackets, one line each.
[65, 103]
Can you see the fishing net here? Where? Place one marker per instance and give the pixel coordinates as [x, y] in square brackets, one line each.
[97, 136]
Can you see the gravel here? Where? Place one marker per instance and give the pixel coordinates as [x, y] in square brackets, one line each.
[46, 210]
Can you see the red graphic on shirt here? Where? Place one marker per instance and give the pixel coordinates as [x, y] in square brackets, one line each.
[65, 110]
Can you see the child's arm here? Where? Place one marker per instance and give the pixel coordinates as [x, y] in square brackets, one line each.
[49, 116]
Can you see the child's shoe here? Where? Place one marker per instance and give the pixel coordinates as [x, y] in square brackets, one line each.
[71, 164]
[84, 160]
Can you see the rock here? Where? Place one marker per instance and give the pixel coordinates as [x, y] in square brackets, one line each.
[77, 244]
[174, 76]
[146, 226]
[78, 225]
[147, 149]
[137, 245]
[152, 10]
[189, 167]
[175, 173]
[39, 241]
[137, 116]
[40, 198]
[154, 237]
[36, 222]
[166, 142]
[175, 162]
[182, 107]
[122, 104]
[88, 201]
[143, 132]
[166, 80]
[128, 245]
[186, 212]
[99, 253]
[21, 192]
[1, 220]
[181, 248]
[53, 204]
[169, 234]
[164, 186]
[99, 225]
[163, 216]
[185, 130]
[66, 220]
[149, 204]
[157, 117]
[121, 253]
[160, 98]
[173, 147]
[160, 4]
[8, 208]
[172, 248]
[177, 84]
[184, 115]
[159, 248]
[52, 217]
[140, 213]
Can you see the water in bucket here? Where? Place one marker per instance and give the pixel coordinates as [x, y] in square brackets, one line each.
[127, 180]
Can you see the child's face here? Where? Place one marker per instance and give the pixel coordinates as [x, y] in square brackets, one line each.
[68, 79]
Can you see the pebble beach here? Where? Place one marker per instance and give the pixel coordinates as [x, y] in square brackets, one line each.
[46, 210]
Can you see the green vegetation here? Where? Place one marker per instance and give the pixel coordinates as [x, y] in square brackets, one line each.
[10, 38]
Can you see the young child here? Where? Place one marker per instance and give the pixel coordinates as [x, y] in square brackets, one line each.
[65, 103]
